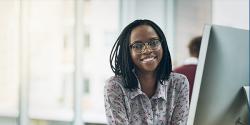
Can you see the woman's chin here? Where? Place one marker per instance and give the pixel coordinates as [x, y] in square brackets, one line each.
[148, 68]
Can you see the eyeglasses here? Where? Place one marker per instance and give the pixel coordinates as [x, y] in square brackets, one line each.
[140, 47]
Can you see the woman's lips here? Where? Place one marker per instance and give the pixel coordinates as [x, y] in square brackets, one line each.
[148, 59]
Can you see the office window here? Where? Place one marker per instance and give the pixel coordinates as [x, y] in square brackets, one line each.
[51, 61]
[101, 17]
[86, 88]
[50, 34]
[86, 37]
[9, 61]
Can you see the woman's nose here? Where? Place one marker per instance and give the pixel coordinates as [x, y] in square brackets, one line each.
[147, 49]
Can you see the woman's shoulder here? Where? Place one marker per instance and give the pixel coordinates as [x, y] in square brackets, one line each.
[177, 76]
[178, 79]
[114, 86]
[114, 82]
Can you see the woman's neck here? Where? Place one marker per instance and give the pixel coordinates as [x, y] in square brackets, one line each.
[148, 83]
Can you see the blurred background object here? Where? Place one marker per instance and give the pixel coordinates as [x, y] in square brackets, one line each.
[190, 64]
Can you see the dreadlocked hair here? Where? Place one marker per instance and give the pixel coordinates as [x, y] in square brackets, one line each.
[120, 57]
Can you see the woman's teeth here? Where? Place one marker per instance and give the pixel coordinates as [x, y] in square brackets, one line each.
[148, 59]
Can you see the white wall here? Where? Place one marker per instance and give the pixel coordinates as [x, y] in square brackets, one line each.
[233, 13]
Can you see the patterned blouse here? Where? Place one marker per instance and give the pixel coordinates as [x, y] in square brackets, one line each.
[168, 106]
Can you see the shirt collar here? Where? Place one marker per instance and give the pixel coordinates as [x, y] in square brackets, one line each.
[159, 93]
[136, 92]
[191, 60]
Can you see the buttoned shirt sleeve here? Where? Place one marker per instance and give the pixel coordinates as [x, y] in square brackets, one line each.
[115, 104]
[181, 109]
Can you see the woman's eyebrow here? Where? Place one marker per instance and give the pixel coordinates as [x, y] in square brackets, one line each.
[137, 41]
[153, 38]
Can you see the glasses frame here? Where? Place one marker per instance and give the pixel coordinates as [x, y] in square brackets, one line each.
[146, 45]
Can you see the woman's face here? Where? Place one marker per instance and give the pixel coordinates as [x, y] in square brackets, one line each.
[148, 59]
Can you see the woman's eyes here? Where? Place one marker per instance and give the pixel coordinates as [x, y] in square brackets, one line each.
[153, 43]
[138, 46]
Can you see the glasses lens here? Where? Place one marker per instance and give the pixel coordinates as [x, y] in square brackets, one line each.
[154, 44]
[138, 47]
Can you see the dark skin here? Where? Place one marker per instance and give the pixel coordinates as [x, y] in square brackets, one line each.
[148, 83]
[147, 61]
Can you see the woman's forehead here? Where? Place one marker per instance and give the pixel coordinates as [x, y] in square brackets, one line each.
[142, 33]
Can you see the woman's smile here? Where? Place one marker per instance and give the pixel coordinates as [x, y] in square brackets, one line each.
[148, 59]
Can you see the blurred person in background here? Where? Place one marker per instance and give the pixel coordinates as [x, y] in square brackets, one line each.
[190, 64]
[144, 90]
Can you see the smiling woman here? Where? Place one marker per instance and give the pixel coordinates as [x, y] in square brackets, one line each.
[144, 90]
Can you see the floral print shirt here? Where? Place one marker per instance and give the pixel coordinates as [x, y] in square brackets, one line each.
[168, 106]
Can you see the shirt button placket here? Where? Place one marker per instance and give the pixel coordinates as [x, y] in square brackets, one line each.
[149, 112]
[154, 112]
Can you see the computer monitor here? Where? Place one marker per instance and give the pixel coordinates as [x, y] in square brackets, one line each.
[222, 71]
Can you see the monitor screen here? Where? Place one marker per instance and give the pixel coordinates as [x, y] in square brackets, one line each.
[223, 69]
